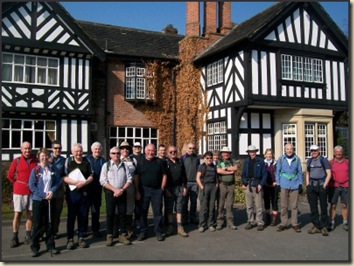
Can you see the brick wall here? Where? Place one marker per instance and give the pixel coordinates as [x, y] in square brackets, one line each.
[193, 19]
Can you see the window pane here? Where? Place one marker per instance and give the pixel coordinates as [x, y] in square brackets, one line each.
[130, 132]
[5, 136]
[113, 132]
[16, 139]
[18, 73]
[53, 63]
[30, 74]
[50, 125]
[42, 76]
[19, 59]
[39, 125]
[154, 133]
[30, 60]
[28, 136]
[121, 131]
[146, 133]
[7, 58]
[5, 123]
[53, 76]
[138, 132]
[42, 61]
[38, 139]
[16, 124]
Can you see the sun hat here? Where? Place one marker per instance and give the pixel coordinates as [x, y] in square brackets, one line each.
[124, 144]
[252, 148]
[225, 149]
[314, 147]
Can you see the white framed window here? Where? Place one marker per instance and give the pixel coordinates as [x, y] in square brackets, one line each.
[217, 138]
[215, 73]
[316, 133]
[135, 83]
[40, 133]
[289, 133]
[133, 134]
[30, 69]
[301, 68]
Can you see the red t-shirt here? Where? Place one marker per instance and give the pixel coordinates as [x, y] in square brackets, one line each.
[24, 169]
[340, 173]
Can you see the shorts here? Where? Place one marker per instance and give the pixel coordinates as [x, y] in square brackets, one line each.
[22, 203]
[338, 192]
[174, 203]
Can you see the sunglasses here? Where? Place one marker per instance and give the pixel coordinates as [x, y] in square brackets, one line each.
[208, 158]
[191, 148]
[173, 151]
[57, 148]
[115, 153]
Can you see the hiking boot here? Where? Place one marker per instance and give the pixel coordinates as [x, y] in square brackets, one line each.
[314, 230]
[109, 240]
[53, 251]
[70, 244]
[27, 240]
[82, 243]
[35, 253]
[160, 238]
[260, 227]
[324, 231]
[281, 228]
[141, 237]
[297, 229]
[249, 226]
[123, 239]
[211, 228]
[345, 227]
[14, 242]
[201, 229]
[331, 226]
[232, 227]
[274, 220]
[170, 230]
[181, 231]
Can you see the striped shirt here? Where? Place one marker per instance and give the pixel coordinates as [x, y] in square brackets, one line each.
[117, 174]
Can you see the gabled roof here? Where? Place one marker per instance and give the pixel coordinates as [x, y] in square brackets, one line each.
[129, 42]
[59, 18]
[254, 27]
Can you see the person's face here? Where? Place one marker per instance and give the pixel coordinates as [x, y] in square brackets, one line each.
[315, 153]
[149, 152]
[268, 155]
[289, 150]
[114, 155]
[190, 149]
[56, 149]
[338, 154]
[124, 152]
[252, 154]
[172, 153]
[43, 158]
[162, 152]
[96, 151]
[208, 159]
[77, 152]
[225, 155]
[26, 149]
[137, 149]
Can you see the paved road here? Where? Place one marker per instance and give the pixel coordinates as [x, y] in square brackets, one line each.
[220, 246]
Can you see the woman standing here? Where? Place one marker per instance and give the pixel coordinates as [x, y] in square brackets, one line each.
[43, 183]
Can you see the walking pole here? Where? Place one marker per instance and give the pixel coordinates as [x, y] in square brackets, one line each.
[50, 228]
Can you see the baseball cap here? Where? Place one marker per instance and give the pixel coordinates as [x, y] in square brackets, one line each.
[137, 144]
[314, 147]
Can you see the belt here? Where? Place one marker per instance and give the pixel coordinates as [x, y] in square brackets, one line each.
[228, 183]
[22, 182]
[316, 182]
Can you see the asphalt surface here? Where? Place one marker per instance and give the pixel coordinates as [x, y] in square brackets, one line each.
[239, 246]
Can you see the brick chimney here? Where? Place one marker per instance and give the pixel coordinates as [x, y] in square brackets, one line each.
[216, 16]
[193, 19]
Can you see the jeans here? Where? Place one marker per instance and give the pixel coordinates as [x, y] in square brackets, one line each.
[77, 208]
[315, 193]
[153, 196]
[192, 196]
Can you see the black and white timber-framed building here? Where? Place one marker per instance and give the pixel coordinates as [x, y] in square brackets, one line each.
[46, 79]
[281, 76]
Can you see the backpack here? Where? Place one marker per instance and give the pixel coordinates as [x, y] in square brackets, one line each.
[204, 169]
[70, 159]
[109, 164]
[310, 161]
[36, 171]
[16, 171]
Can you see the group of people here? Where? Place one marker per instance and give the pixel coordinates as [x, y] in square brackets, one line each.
[132, 181]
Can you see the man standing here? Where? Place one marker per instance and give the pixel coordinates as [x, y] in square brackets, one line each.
[191, 163]
[339, 187]
[175, 191]
[131, 163]
[58, 162]
[149, 186]
[317, 178]
[116, 179]
[19, 174]
[226, 168]
[289, 178]
[94, 189]
[254, 176]
[76, 195]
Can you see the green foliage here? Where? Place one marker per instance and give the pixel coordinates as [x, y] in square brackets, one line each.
[6, 185]
[239, 192]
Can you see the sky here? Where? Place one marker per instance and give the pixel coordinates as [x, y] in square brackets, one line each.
[156, 15]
